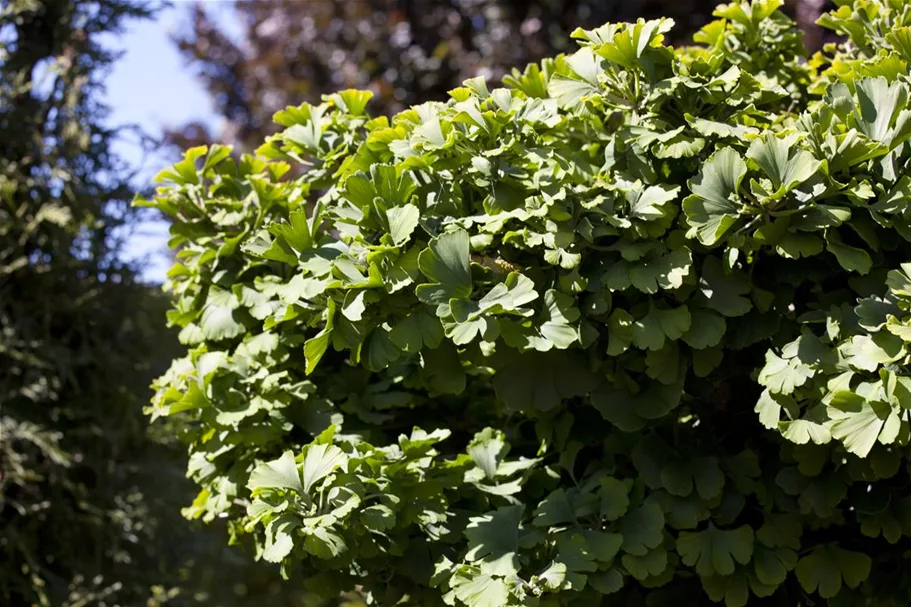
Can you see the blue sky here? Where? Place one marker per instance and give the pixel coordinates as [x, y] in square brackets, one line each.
[151, 87]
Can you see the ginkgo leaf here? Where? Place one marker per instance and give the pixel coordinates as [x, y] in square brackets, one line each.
[324, 544]
[683, 145]
[714, 551]
[279, 538]
[555, 509]
[781, 375]
[603, 545]
[782, 162]
[630, 44]
[783, 530]
[648, 202]
[607, 582]
[487, 449]
[320, 461]
[584, 64]
[194, 398]
[703, 474]
[559, 316]
[769, 407]
[710, 128]
[857, 422]
[583, 82]
[797, 245]
[879, 103]
[569, 92]
[824, 570]
[378, 517]
[803, 431]
[315, 347]
[402, 222]
[642, 529]
[714, 204]
[493, 541]
[724, 291]
[217, 320]
[630, 412]
[354, 101]
[417, 330]
[620, 332]
[646, 566]
[706, 329]
[733, 590]
[354, 308]
[899, 281]
[280, 473]
[445, 264]
[574, 552]
[614, 496]
[773, 566]
[850, 258]
[296, 232]
[664, 364]
[505, 297]
[483, 591]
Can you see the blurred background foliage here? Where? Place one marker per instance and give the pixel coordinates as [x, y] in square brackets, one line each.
[90, 498]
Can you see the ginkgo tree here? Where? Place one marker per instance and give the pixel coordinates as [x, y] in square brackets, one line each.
[632, 329]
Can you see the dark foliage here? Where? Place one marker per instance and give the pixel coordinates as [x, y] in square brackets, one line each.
[89, 500]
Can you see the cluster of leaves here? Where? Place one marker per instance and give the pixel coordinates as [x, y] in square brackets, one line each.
[630, 330]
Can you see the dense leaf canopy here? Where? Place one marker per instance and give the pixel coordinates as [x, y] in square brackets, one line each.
[631, 330]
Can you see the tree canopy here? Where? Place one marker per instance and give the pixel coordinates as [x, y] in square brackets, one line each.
[631, 329]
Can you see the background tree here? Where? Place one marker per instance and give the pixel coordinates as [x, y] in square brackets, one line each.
[89, 500]
[405, 51]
